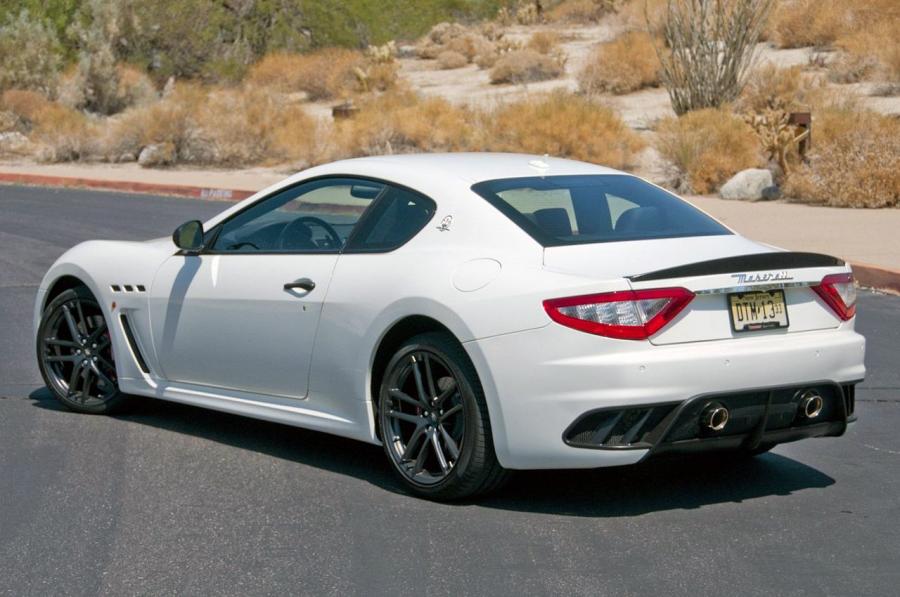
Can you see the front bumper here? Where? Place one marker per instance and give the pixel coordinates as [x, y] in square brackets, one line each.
[538, 382]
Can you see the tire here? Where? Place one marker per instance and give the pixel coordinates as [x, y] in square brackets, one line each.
[442, 449]
[74, 348]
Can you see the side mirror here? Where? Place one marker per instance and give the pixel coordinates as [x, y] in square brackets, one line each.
[189, 236]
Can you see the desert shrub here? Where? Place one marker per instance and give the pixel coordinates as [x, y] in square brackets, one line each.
[712, 44]
[438, 39]
[800, 23]
[24, 104]
[562, 124]
[544, 42]
[323, 74]
[173, 120]
[448, 59]
[772, 88]
[250, 126]
[871, 53]
[581, 11]
[707, 147]
[29, 55]
[526, 66]
[644, 15]
[64, 134]
[626, 64]
[854, 160]
[491, 54]
[403, 122]
[135, 87]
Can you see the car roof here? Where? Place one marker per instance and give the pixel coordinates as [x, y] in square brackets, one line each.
[468, 167]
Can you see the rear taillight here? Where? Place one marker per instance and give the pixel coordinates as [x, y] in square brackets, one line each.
[628, 314]
[839, 293]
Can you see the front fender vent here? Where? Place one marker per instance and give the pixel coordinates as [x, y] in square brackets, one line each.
[132, 343]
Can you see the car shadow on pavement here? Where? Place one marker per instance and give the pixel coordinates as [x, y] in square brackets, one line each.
[667, 484]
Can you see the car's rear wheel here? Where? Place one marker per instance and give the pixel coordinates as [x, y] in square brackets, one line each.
[75, 356]
[434, 421]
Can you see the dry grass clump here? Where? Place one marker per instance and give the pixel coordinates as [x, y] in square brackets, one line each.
[403, 122]
[562, 124]
[448, 60]
[854, 160]
[526, 66]
[323, 74]
[581, 11]
[63, 134]
[544, 42]
[24, 104]
[799, 23]
[707, 147]
[644, 15]
[626, 64]
[870, 54]
[773, 88]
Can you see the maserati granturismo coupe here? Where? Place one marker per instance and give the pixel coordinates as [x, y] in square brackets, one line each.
[472, 313]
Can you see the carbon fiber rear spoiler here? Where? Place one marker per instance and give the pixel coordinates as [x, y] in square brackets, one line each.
[742, 263]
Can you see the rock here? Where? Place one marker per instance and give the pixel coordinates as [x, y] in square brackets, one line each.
[771, 193]
[747, 185]
[406, 51]
[162, 154]
[125, 158]
[13, 142]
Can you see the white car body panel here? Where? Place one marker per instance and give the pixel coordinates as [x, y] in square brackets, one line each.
[219, 331]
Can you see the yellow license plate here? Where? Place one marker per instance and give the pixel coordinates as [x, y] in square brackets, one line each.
[764, 310]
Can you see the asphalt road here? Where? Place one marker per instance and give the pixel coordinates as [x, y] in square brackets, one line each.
[171, 499]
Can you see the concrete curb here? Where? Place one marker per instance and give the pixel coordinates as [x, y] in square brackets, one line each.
[877, 277]
[871, 276]
[190, 192]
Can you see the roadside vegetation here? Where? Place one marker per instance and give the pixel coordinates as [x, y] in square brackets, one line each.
[201, 83]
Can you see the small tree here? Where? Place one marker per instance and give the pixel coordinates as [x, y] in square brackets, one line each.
[29, 55]
[711, 45]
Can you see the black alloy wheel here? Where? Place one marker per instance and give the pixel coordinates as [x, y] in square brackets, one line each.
[434, 421]
[75, 355]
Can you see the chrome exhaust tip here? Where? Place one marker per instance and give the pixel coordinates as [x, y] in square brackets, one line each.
[811, 404]
[714, 417]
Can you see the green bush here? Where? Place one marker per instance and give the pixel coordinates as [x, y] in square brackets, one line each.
[29, 55]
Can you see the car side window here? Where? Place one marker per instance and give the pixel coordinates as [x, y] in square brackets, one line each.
[397, 217]
[315, 217]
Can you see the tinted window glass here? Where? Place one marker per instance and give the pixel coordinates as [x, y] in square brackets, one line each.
[316, 217]
[567, 210]
[398, 216]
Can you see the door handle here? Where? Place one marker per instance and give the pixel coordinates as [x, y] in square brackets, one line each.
[303, 284]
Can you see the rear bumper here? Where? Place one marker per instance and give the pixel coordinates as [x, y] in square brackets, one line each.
[539, 382]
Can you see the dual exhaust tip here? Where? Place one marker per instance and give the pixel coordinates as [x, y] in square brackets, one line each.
[715, 417]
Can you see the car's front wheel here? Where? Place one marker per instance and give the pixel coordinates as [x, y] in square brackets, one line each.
[434, 421]
[74, 351]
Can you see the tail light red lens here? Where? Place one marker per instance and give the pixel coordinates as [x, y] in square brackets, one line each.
[839, 293]
[628, 314]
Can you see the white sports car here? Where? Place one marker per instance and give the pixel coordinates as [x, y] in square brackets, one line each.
[472, 313]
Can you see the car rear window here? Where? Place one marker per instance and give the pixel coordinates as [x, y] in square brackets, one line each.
[571, 210]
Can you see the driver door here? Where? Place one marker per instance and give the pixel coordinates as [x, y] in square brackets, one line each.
[242, 315]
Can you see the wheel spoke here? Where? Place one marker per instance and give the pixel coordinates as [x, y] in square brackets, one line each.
[415, 420]
[448, 391]
[101, 376]
[423, 397]
[86, 385]
[451, 444]
[70, 321]
[61, 343]
[413, 440]
[450, 412]
[429, 378]
[68, 358]
[81, 319]
[439, 452]
[95, 335]
[404, 397]
[420, 459]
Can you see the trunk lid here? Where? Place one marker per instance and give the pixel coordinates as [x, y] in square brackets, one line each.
[713, 268]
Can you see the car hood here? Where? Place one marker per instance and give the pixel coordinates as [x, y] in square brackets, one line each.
[631, 258]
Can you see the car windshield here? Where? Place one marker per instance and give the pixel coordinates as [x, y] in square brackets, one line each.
[570, 210]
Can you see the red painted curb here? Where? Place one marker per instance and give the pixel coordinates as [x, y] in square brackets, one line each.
[126, 186]
[879, 278]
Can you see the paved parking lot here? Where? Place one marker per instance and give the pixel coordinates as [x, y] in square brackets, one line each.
[171, 499]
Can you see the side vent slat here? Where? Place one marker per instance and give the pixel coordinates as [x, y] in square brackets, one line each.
[129, 335]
